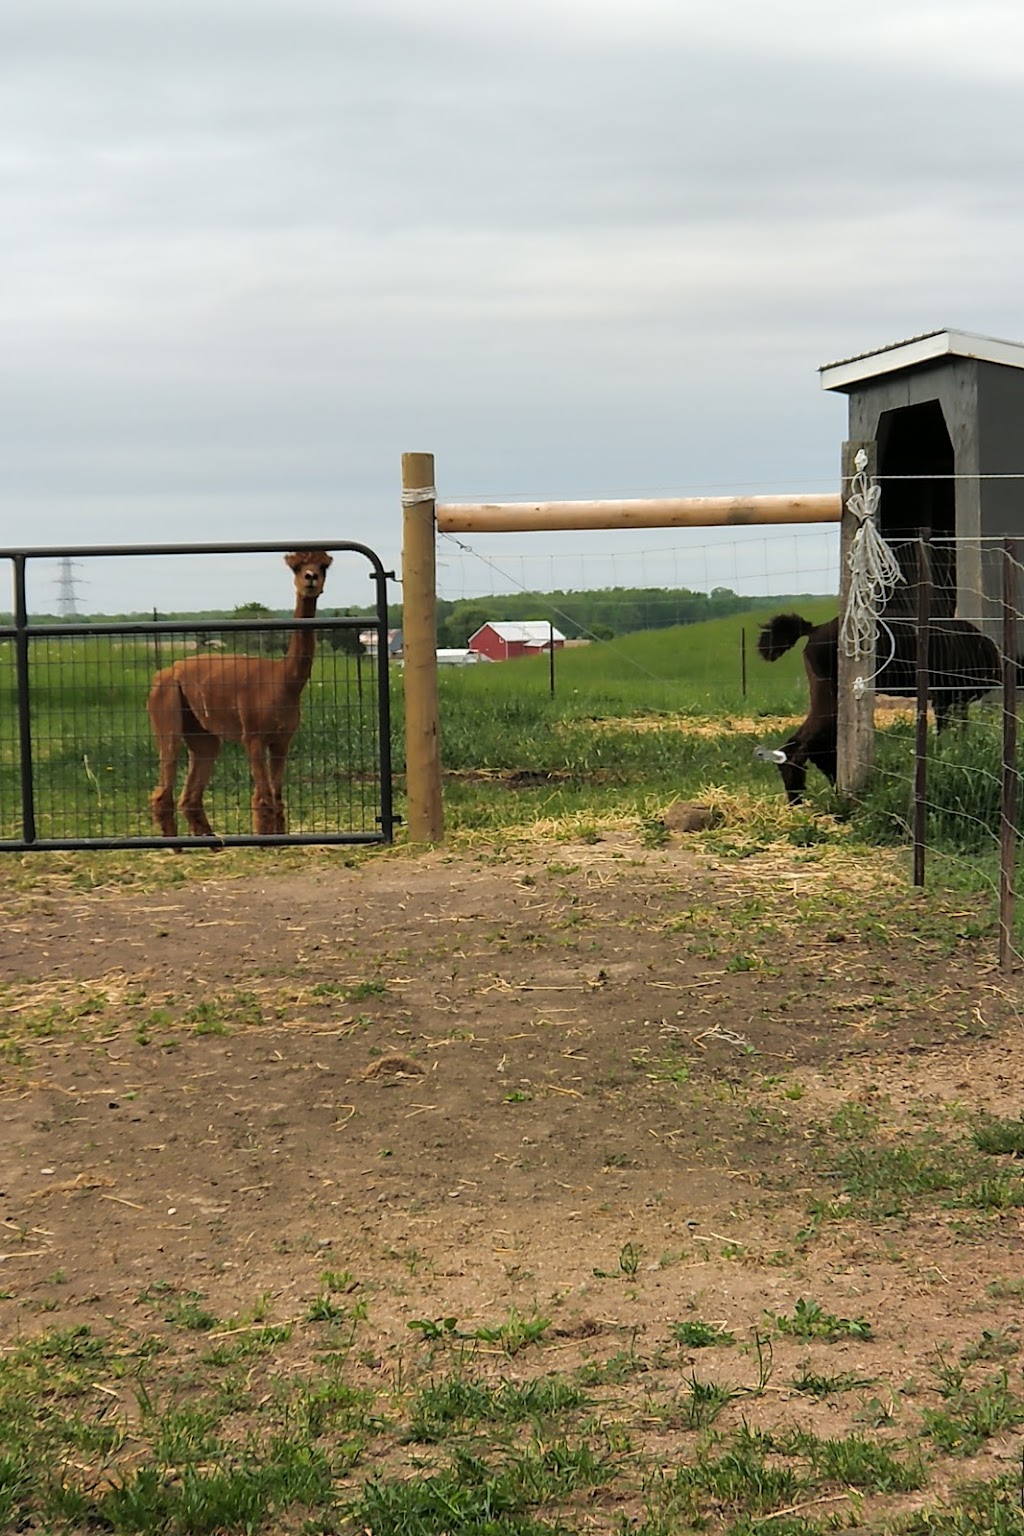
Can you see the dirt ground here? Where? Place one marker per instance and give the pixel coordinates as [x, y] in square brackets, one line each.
[588, 1082]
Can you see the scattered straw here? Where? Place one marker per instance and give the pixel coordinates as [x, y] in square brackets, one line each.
[391, 1065]
[75, 1186]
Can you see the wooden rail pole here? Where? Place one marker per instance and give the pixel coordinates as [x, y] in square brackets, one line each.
[663, 512]
[855, 725]
[419, 639]
[1011, 776]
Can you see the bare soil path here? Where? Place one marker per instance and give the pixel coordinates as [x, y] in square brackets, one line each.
[598, 1083]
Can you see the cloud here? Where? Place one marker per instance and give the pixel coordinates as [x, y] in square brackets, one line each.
[254, 251]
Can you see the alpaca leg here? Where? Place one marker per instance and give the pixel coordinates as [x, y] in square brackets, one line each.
[161, 801]
[203, 751]
[794, 780]
[164, 705]
[264, 822]
[277, 760]
[825, 759]
[952, 709]
[794, 770]
[816, 746]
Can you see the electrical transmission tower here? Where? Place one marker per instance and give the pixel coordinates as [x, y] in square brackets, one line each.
[67, 594]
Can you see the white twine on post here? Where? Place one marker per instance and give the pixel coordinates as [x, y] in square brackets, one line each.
[413, 497]
[874, 569]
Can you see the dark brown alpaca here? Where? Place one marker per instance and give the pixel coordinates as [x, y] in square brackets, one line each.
[206, 700]
[963, 665]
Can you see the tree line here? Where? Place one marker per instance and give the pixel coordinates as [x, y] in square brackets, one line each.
[598, 614]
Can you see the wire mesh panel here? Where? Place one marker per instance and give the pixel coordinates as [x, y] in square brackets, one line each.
[129, 733]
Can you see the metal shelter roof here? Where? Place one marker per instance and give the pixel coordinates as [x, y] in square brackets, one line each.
[898, 355]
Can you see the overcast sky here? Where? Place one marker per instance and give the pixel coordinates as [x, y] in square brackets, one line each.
[254, 249]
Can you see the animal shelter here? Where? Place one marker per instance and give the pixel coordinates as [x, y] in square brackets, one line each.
[943, 411]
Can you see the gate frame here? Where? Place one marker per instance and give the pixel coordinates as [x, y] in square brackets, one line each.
[22, 631]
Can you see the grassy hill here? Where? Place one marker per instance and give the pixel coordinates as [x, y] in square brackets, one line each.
[689, 670]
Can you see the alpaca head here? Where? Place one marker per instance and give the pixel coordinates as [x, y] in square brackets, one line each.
[310, 569]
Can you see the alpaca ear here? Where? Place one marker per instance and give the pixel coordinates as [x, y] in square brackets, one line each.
[293, 561]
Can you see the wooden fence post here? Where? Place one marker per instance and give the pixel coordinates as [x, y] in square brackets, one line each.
[419, 643]
[855, 724]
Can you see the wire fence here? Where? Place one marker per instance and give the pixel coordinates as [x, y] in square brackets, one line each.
[955, 791]
[951, 793]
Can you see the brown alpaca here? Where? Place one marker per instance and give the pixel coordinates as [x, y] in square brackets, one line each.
[206, 700]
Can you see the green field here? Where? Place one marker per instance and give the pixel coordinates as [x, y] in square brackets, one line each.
[660, 715]
[631, 725]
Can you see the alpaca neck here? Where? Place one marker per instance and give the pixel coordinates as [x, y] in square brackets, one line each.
[298, 662]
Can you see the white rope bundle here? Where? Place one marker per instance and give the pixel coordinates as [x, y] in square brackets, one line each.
[874, 569]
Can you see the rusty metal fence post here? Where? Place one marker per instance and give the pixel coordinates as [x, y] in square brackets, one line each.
[1011, 774]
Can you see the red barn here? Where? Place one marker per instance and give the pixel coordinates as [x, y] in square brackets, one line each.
[504, 642]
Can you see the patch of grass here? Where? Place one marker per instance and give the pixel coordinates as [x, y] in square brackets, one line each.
[435, 1329]
[324, 1309]
[204, 1019]
[81, 1007]
[186, 1312]
[338, 1280]
[991, 1508]
[1000, 1137]
[183, 1309]
[704, 1401]
[348, 991]
[477, 1497]
[884, 1179]
[629, 1260]
[971, 1414]
[738, 1481]
[810, 1321]
[516, 1333]
[217, 1015]
[1005, 1290]
[454, 1404]
[624, 1365]
[963, 788]
[822, 1384]
[852, 1461]
[248, 1344]
[672, 1068]
[698, 1335]
[237, 1495]
[187, 1458]
[994, 1344]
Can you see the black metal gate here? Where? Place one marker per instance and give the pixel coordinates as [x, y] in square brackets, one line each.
[78, 760]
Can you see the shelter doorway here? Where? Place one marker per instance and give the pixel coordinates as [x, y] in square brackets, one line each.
[915, 466]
